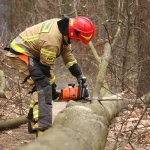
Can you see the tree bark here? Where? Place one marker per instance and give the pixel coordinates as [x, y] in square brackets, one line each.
[143, 48]
[80, 126]
[14, 123]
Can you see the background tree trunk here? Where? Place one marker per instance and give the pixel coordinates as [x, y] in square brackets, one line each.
[16, 15]
[144, 48]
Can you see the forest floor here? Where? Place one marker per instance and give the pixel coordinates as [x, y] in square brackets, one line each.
[130, 130]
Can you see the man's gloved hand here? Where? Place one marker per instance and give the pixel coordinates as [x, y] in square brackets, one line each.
[55, 94]
[81, 80]
[76, 71]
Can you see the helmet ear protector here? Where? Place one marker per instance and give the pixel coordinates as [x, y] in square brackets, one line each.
[77, 32]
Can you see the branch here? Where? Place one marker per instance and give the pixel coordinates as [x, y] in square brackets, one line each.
[14, 123]
[2, 83]
[94, 51]
[75, 9]
[102, 70]
[103, 61]
[135, 127]
[116, 37]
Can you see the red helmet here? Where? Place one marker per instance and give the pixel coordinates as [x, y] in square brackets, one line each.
[81, 28]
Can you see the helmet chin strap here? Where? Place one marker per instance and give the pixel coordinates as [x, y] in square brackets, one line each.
[66, 40]
[69, 42]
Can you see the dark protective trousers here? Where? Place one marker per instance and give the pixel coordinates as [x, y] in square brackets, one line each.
[40, 75]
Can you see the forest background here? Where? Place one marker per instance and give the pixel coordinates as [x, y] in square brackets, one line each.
[129, 66]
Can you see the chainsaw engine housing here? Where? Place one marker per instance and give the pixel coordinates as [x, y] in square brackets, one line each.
[74, 92]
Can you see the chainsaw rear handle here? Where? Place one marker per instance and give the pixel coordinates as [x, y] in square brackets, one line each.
[81, 80]
[71, 85]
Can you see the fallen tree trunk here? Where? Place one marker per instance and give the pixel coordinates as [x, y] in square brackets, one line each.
[14, 123]
[82, 126]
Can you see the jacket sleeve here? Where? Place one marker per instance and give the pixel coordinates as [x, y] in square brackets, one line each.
[48, 57]
[71, 62]
[68, 57]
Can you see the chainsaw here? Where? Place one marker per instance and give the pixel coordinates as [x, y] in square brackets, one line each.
[75, 93]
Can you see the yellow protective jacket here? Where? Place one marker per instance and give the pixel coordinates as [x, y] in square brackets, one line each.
[45, 42]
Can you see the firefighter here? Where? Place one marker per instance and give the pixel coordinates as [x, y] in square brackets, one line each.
[42, 44]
